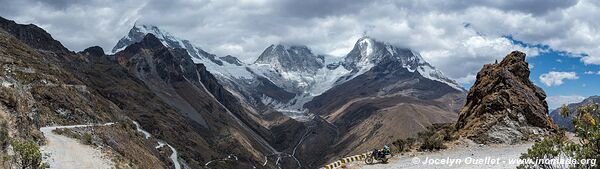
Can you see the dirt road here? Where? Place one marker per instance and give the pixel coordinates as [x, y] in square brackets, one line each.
[499, 158]
[67, 153]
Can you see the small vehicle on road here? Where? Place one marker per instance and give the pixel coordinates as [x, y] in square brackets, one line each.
[379, 155]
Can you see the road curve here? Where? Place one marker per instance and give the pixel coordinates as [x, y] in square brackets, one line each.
[62, 152]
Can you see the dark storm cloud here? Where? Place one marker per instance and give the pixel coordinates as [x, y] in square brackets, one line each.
[536, 7]
[319, 8]
[533, 6]
[62, 4]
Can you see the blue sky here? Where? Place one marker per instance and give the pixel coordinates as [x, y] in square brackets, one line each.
[585, 85]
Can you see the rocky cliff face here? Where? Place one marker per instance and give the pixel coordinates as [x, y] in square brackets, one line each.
[504, 106]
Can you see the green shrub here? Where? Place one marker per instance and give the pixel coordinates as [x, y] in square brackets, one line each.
[403, 144]
[434, 137]
[4, 138]
[4, 142]
[86, 138]
[433, 142]
[586, 129]
[27, 154]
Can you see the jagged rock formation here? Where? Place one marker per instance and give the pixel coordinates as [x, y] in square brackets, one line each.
[504, 106]
[567, 122]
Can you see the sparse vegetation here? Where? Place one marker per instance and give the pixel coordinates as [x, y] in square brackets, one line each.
[435, 137]
[86, 138]
[83, 136]
[403, 144]
[4, 143]
[27, 155]
[4, 137]
[559, 146]
[431, 139]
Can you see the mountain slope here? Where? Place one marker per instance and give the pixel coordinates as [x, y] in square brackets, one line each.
[32, 35]
[160, 88]
[389, 100]
[567, 122]
[287, 77]
[171, 74]
[38, 91]
[368, 91]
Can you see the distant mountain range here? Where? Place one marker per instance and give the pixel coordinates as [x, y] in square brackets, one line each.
[567, 123]
[289, 108]
[287, 77]
[375, 83]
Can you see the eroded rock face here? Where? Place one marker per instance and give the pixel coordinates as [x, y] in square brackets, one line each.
[504, 106]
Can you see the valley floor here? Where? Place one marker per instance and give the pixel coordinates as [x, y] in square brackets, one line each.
[63, 152]
[500, 157]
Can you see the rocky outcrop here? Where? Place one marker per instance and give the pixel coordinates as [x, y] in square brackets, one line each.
[504, 106]
[231, 60]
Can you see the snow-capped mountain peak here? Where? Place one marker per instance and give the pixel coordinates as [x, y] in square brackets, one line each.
[293, 71]
[137, 33]
[368, 52]
[290, 58]
[366, 45]
[228, 66]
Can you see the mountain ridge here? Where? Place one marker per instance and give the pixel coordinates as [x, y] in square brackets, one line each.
[567, 123]
[296, 70]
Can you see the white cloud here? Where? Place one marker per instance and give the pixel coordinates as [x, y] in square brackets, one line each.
[556, 78]
[591, 60]
[447, 34]
[557, 101]
[467, 79]
[592, 72]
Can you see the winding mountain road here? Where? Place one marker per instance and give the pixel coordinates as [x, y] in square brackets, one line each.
[174, 157]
